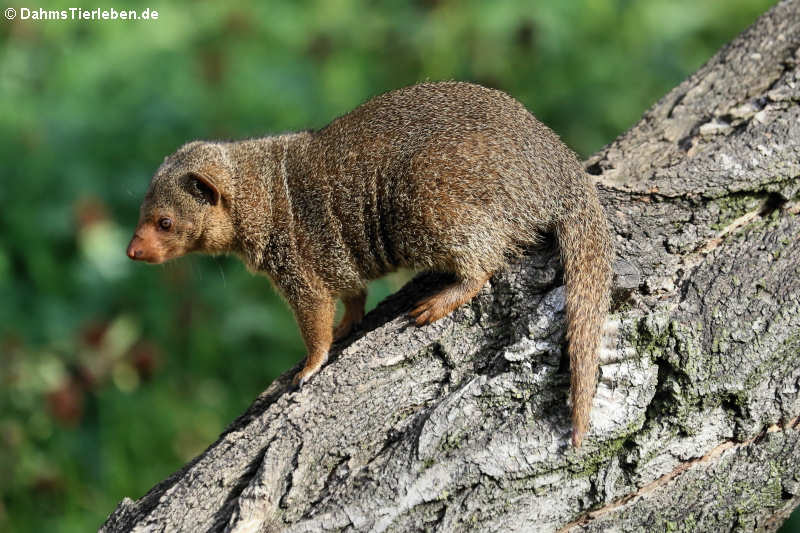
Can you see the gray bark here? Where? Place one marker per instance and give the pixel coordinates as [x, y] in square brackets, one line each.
[463, 425]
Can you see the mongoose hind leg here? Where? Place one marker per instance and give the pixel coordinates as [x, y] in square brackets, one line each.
[315, 318]
[353, 313]
[447, 300]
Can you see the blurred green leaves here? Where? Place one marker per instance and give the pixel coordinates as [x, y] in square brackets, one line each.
[113, 374]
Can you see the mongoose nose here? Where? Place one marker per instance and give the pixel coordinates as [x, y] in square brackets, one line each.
[134, 252]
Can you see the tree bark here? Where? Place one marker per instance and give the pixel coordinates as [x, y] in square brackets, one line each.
[463, 425]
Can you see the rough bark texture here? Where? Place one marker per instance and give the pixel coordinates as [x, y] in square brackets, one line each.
[464, 426]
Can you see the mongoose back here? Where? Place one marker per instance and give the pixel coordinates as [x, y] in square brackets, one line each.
[445, 176]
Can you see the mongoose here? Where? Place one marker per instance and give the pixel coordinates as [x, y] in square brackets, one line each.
[446, 176]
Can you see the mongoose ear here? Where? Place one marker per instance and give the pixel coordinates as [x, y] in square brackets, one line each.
[202, 188]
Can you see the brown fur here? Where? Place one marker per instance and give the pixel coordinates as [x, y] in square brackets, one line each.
[443, 176]
[353, 313]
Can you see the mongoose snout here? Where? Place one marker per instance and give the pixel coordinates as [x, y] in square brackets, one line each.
[144, 246]
[446, 176]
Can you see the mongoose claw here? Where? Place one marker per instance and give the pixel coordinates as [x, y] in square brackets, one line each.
[297, 384]
[314, 362]
[447, 300]
[300, 379]
[433, 308]
[430, 310]
[421, 314]
[303, 377]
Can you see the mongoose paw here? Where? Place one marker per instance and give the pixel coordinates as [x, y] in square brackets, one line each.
[431, 309]
[447, 300]
[302, 377]
[314, 362]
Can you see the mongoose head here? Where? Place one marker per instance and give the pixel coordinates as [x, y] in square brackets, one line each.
[187, 206]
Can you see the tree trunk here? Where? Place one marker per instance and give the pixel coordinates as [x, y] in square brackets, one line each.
[463, 425]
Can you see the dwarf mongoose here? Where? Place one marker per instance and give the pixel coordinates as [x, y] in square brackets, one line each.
[447, 176]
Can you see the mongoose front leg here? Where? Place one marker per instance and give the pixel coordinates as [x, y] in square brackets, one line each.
[353, 313]
[447, 300]
[315, 318]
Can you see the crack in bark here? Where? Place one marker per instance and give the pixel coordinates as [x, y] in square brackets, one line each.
[771, 203]
[225, 511]
[710, 456]
[282, 503]
[326, 488]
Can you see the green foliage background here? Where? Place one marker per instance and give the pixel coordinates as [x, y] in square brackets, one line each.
[113, 374]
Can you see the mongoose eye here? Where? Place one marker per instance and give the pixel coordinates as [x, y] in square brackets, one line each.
[165, 223]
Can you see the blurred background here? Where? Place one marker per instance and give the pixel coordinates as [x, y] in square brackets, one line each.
[114, 374]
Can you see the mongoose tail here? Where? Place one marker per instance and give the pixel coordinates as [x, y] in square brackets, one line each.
[584, 240]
